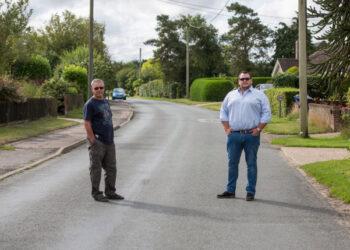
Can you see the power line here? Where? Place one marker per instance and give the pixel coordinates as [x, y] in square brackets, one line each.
[202, 7]
[219, 11]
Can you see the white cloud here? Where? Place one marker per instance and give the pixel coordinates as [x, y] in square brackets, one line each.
[130, 23]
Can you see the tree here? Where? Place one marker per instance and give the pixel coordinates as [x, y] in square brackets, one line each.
[151, 70]
[170, 50]
[247, 40]
[13, 22]
[67, 32]
[284, 39]
[206, 58]
[333, 25]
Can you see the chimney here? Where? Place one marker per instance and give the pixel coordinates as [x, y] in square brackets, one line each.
[296, 49]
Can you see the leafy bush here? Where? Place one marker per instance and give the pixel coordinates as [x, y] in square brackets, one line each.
[158, 88]
[57, 88]
[29, 90]
[210, 89]
[77, 74]
[348, 98]
[286, 104]
[286, 80]
[37, 68]
[9, 90]
[259, 80]
[293, 70]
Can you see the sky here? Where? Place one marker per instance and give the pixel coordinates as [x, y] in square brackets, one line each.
[129, 23]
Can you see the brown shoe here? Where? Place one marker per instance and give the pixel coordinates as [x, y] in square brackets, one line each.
[249, 197]
[226, 195]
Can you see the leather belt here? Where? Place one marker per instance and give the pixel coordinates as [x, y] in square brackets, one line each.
[247, 131]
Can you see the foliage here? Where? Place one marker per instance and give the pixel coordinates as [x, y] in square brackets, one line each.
[14, 18]
[66, 32]
[282, 80]
[246, 41]
[135, 85]
[77, 74]
[333, 26]
[57, 88]
[333, 174]
[286, 104]
[36, 68]
[293, 70]
[151, 70]
[259, 80]
[204, 49]
[348, 97]
[208, 89]
[29, 90]
[9, 90]
[103, 68]
[157, 88]
[285, 37]
[126, 76]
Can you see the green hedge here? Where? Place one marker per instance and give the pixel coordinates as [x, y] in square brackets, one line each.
[157, 88]
[37, 68]
[259, 80]
[210, 89]
[287, 103]
[348, 98]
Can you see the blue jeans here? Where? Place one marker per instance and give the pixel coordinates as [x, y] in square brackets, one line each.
[236, 142]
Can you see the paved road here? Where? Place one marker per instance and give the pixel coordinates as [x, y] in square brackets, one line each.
[171, 165]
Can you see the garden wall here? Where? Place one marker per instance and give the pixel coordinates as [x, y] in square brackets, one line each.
[330, 114]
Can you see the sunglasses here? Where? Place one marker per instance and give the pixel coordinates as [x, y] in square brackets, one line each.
[244, 79]
[99, 88]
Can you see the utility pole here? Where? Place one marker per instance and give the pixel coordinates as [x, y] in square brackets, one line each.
[187, 64]
[91, 51]
[140, 65]
[302, 70]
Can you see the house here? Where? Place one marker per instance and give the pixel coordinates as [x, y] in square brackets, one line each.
[283, 64]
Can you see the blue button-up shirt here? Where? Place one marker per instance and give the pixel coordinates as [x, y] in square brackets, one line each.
[245, 111]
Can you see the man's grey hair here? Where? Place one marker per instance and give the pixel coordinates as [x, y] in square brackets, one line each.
[97, 80]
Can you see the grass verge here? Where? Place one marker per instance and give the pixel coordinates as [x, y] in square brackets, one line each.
[284, 126]
[333, 174]
[315, 142]
[9, 148]
[33, 128]
[76, 113]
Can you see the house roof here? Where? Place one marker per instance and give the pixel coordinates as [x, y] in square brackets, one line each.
[287, 63]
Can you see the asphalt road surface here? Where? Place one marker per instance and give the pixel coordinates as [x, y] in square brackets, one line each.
[171, 164]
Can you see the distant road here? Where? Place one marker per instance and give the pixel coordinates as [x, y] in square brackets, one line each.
[171, 164]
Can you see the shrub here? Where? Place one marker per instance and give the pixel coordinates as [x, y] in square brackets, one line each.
[259, 80]
[36, 68]
[9, 90]
[286, 104]
[286, 80]
[293, 70]
[77, 74]
[210, 89]
[29, 90]
[348, 98]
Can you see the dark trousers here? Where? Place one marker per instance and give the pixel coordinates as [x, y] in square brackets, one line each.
[102, 156]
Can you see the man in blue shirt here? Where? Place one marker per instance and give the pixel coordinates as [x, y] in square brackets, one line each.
[244, 113]
[100, 133]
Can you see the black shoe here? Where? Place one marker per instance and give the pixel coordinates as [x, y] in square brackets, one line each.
[101, 198]
[114, 196]
[250, 197]
[226, 195]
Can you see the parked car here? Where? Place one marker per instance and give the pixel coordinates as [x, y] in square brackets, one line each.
[264, 86]
[118, 93]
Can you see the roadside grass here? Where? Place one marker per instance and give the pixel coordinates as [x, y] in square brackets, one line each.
[216, 106]
[333, 174]
[9, 148]
[287, 126]
[315, 142]
[33, 128]
[76, 113]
